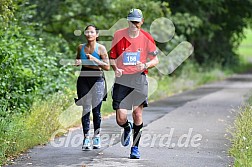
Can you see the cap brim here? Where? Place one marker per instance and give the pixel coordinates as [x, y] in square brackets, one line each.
[134, 19]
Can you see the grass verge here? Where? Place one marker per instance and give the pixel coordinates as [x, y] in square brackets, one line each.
[241, 139]
[33, 128]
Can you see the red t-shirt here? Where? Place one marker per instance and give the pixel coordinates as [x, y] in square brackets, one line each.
[128, 50]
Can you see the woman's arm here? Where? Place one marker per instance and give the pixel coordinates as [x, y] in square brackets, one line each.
[78, 60]
[104, 64]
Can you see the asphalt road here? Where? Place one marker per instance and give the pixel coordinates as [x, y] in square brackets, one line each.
[185, 130]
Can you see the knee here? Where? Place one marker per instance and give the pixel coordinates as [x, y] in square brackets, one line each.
[137, 114]
[121, 120]
[121, 116]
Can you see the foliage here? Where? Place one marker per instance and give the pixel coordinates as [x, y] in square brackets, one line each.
[245, 48]
[29, 68]
[64, 17]
[221, 29]
[6, 12]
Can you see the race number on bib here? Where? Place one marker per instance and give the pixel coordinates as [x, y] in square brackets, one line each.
[131, 58]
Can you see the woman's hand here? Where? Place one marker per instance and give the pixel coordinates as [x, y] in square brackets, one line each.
[77, 62]
[90, 57]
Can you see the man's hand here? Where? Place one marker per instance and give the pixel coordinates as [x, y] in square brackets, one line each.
[118, 72]
[140, 66]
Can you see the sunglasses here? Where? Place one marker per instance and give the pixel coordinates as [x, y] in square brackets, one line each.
[134, 22]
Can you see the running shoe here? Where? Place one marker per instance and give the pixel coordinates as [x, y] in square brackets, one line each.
[86, 144]
[96, 142]
[135, 154]
[125, 139]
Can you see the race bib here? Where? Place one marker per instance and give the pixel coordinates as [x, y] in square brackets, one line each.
[131, 58]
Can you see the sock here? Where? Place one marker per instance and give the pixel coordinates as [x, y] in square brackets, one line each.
[86, 135]
[137, 130]
[126, 125]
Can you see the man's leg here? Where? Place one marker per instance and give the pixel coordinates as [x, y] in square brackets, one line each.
[138, 124]
[122, 103]
[137, 130]
[121, 118]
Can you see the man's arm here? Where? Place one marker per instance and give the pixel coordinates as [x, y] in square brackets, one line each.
[144, 66]
[114, 56]
[152, 54]
[152, 63]
[118, 72]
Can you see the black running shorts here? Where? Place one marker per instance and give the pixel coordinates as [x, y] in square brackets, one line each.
[130, 90]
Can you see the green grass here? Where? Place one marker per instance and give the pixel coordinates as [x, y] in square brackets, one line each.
[28, 130]
[241, 140]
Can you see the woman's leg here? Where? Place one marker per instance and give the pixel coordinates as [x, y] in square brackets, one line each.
[85, 120]
[84, 96]
[97, 119]
[98, 93]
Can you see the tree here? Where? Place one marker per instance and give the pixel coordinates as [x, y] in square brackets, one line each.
[29, 64]
[221, 31]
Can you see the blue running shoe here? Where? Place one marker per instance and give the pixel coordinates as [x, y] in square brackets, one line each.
[96, 142]
[125, 139]
[135, 154]
[86, 144]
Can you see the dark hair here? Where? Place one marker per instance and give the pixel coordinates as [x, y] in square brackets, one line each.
[96, 29]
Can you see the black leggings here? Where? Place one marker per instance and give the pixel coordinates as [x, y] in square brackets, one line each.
[91, 92]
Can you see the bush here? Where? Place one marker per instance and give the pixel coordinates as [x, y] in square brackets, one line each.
[29, 64]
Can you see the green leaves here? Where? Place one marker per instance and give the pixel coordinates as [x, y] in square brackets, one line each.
[219, 30]
[29, 65]
[6, 12]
